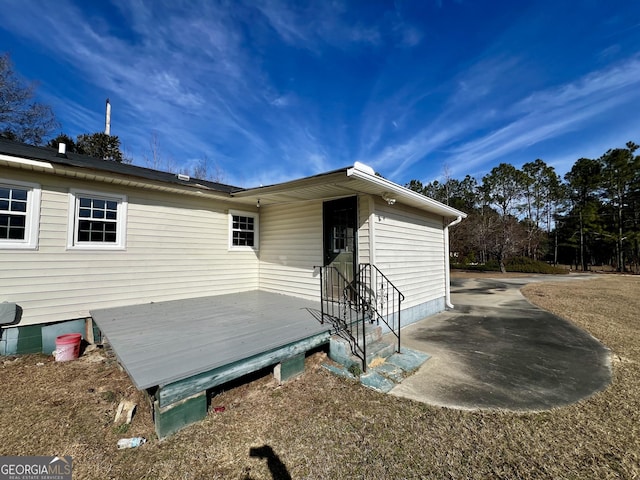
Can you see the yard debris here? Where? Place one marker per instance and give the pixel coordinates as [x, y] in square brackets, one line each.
[376, 362]
[620, 359]
[125, 411]
[315, 361]
[11, 360]
[131, 442]
[95, 357]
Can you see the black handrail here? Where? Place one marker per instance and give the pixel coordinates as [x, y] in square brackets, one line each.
[383, 300]
[348, 304]
[339, 303]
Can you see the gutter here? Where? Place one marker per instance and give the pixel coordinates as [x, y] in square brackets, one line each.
[364, 172]
[447, 274]
[39, 165]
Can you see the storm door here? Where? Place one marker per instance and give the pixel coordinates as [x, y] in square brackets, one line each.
[340, 227]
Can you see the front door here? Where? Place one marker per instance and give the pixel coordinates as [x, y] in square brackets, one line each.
[340, 226]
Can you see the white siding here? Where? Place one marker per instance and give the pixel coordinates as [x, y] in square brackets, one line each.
[176, 247]
[363, 234]
[409, 250]
[290, 246]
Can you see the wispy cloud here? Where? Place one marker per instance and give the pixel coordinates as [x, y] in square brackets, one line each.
[535, 118]
[180, 61]
[274, 89]
[315, 24]
[552, 113]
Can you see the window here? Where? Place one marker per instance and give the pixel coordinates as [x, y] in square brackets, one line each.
[243, 231]
[97, 221]
[19, 214]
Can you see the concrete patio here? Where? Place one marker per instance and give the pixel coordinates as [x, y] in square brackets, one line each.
[495, 350]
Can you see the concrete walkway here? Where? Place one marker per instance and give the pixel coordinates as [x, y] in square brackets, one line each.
[495, 350]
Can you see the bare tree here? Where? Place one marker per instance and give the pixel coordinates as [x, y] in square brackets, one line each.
[21, 118]
[503, 189]
[207, 170]
[156, 160]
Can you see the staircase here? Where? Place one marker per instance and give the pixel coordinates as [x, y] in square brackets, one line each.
[341, 349]
[355, 309]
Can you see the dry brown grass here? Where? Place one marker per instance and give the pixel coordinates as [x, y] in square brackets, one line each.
[321, 426]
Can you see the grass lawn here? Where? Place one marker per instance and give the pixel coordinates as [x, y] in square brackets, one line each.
[324, 427]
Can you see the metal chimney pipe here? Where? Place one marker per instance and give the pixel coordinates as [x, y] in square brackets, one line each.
[107, 127]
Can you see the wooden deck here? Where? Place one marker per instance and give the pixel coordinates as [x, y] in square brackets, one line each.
[161, 343]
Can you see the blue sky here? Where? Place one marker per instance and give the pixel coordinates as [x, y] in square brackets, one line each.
[271, 90]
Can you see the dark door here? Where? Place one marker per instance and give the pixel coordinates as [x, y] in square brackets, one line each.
[340, 226]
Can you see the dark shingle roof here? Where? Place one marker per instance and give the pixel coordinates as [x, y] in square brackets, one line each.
[50, 155]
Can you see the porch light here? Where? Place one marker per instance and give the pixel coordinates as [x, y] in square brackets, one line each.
[387, 197]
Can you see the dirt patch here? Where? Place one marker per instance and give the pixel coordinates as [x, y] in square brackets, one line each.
[321, 426]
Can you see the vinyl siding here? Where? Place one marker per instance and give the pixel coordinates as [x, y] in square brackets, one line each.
[363, 234]
[409, 250]
[290, 248]
[176, 247]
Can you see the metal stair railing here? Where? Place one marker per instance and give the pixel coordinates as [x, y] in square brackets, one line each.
[340, 304]
[349, 304]
[382, 300]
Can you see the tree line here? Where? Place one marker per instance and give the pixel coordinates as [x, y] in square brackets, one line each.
[591, 216]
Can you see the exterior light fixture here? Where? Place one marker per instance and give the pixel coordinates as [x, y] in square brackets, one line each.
[387, 197]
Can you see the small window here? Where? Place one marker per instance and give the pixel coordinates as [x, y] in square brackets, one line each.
[98, 221]
[19, 214]
[243, 230]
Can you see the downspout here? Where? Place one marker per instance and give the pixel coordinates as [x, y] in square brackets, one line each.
[372, 231]
[447, 276]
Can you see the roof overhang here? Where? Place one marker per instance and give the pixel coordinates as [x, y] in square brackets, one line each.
[69, 164]
[25, 163]
[96, 175]
[359, 179]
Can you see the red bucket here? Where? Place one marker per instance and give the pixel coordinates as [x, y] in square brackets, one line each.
[67, 347]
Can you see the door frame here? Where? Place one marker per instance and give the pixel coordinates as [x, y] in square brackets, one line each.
[329, 207]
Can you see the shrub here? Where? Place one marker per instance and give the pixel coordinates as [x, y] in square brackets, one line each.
[490, 266]
[528, 265]
[517, 264]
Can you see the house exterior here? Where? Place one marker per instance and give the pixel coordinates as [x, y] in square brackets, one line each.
[79, 233]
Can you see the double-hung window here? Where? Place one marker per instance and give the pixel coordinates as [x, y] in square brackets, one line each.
[98, 221]
[19, 214]
[243, 230]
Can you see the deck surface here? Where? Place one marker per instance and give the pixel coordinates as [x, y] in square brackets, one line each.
[159, 343]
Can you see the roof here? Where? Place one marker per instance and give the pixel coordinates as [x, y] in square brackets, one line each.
[75, 160]
[342, 182]
[358, 178]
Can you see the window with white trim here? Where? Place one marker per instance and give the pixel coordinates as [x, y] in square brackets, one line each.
[243, 230]
[97, 220]
[19, 214]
